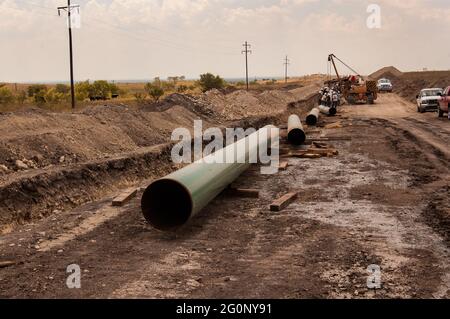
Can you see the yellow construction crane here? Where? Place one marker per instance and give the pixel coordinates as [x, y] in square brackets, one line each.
[354, 88]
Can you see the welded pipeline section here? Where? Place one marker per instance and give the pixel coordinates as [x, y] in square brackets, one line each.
[172, 201]
[296, 134]
[327, 110]
[313, 117]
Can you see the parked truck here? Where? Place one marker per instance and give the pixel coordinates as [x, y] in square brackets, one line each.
[385, 85]
[444, 102]
[428, 99]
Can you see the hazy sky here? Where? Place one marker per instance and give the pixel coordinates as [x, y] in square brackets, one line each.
[141, 39]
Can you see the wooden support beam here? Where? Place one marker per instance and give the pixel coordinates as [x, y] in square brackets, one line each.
[284, 150]
[321, 145]
[283, 166]
[243, 192]
[328, 138]
[334, 125]
[124, 197]
[323, 151]
[283, 202]
[4, 264]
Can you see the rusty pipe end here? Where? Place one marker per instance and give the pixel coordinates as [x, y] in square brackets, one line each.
[296, 136]
[167, 204]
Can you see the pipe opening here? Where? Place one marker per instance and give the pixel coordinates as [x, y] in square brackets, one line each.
[311, 120]
[333, 111]
[296, 136]
[167, 204]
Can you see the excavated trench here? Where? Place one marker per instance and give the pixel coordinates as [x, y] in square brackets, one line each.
[39, 193]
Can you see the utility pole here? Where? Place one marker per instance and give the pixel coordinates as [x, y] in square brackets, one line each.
[246, 51]
[69, 9]
[286, 63]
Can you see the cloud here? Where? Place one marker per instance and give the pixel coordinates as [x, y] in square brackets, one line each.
[146, 38]
[296, 2]
[334, 23]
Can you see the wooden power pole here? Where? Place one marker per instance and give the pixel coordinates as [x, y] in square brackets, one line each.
[246, 51]
[69, 9]
[286, 64]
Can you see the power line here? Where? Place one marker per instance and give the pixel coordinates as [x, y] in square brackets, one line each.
[246, 51]
[165, 41]
[34, 4]
[143, 38]
[286, 64]
[168, 43]
[69, 9]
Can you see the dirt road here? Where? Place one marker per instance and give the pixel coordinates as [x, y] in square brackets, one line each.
[385, 200]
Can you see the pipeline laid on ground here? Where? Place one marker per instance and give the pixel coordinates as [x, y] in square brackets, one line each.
[296, 134]
[172, 201]
[313, 117]
[327, 110]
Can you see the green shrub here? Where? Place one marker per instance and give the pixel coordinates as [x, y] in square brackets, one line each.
[5, 95]
[39, 97]
[208, 82]
[62, 88]
[167, 86]
[21, 97]
[101, 89]
[82, 90]
[114, 89]
[140, 97]
[182, 88]
[155, 91]
[37, 89]
[53, 96]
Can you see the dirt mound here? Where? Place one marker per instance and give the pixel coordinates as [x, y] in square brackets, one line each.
[44, 139]
[410, 83]
[189, 102]
[242, 104]
[388, 72]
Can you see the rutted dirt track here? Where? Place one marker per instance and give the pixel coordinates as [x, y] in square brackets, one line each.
[385, 200]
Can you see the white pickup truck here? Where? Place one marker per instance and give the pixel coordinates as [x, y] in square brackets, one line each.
[384, 85]
[428, 99]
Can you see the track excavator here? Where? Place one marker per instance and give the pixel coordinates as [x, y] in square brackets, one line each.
[354, 88]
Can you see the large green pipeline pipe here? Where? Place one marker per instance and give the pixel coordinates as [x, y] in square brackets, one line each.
[313, 117]
[296, 134]
[172, 201]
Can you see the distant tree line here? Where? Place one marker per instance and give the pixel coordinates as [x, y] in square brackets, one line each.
[41, 94]
[157, 88]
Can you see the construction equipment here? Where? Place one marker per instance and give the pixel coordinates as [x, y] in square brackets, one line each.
[354, 88]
